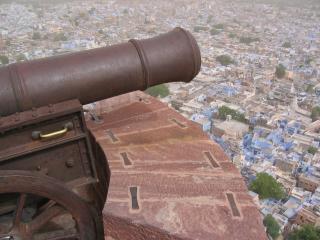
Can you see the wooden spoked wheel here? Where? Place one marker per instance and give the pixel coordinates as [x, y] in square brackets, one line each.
[37, 207]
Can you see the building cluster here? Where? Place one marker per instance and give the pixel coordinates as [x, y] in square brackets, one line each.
[276, 133]
[261, 118]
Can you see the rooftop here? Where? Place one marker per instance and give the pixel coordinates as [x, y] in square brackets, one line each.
[168, 180]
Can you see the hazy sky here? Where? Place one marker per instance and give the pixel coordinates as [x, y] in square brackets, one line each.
[282, 2]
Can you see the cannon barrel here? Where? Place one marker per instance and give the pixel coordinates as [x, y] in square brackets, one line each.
[100, 73]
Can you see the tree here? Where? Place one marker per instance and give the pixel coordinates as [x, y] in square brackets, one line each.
[248, 40]
[210, 17]
[36, 36]
[287, 45]
[4, 59]
[315, 113]
[8, 42]
[232, 35]
[200, 28]
[60, 37]
[280, 71]
[308, 60]
[224, 111]
[224, 60]
[92, 10]
[214, 31]
[21, 57]
[312, 150]
[309, 88]
[160, 90]
[219, 26]
[267, 187]
[306, 232]
[273, 228]
[82, 15]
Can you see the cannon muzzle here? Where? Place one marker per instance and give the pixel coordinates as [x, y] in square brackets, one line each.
[100, 73]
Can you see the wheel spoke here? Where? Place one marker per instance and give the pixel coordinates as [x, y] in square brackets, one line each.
[6, 208]
[20, 205]
[49, 204]
[58, 235]
[37, 207]
[5, 237]
[66, 237]
[44, 218]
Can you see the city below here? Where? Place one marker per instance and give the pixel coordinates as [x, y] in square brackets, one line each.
[257, 95]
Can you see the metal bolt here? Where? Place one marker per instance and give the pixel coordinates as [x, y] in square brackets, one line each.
[17, 117]
[7, 238]
[34, 112]
[70, 163]
[51, 108]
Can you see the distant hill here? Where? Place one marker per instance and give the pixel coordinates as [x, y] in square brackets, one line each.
[284, 3]
[33, 1]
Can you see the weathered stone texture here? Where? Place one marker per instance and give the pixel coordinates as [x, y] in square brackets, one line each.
[182, 177]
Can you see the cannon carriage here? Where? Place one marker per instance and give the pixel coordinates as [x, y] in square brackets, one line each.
[54, 177]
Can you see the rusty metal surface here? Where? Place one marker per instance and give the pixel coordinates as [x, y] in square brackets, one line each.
[43, 209]
[49, 163]
[34, 152]
[36, 115]
[99, 73]
[66, 157]
[168, 180]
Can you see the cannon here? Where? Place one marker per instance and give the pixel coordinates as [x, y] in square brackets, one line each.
[54, 177]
